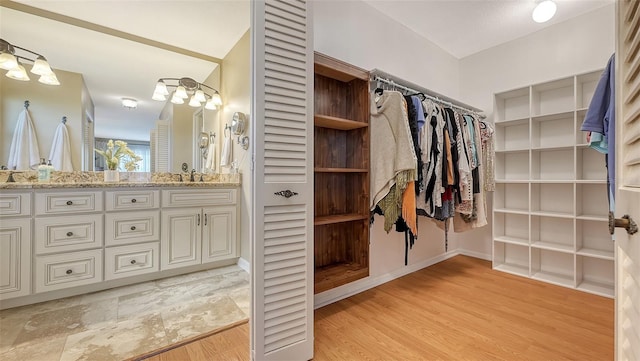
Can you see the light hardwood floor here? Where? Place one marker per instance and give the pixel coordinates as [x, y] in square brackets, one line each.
[459, 309]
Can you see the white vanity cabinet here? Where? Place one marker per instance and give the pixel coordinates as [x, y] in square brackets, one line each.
[132, 233]
[69, 237]
[15, 244]
[198, 226]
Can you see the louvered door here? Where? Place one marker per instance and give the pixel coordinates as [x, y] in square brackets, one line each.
[163, 146]
[628, 179]
[282, 108]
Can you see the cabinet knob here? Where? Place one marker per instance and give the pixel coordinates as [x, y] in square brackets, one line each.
[69, 234]
[69, 203]
[133, 228]
[69, 271]
[133, 200]
[133, 261]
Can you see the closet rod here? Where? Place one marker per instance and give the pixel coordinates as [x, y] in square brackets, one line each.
[380, 76]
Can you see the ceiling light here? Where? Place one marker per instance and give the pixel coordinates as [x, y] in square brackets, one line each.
[129, 103]
[185, 87]
[18, 73]
[544, 11]
[10, 61]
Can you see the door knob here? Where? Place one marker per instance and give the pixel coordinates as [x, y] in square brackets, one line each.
[286, 193]
[625, 222]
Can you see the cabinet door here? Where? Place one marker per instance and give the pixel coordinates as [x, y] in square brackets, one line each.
[219, 240]
[181, 237]
[15, 258]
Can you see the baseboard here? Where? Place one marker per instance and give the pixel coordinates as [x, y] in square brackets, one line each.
[484, 256]
[339, 293]
[244, 264]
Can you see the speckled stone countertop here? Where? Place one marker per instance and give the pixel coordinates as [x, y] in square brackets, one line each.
[29, 180]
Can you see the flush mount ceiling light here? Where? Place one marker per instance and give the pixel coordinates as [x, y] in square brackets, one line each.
[129, 103]
[544, 11]
[185, 87]
[11, 62]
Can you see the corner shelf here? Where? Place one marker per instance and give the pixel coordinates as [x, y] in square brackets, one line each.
[550, 203]
[341, 167]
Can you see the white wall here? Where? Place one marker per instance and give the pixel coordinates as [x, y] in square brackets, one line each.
[576, 46]
[356, 33]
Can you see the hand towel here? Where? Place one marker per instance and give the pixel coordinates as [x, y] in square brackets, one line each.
[60, 154]
[226, 156]
[210, 164]
[24, 153]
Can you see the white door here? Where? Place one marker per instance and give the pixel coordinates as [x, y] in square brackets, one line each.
[282, 229]
[628, 179]
[181, 237]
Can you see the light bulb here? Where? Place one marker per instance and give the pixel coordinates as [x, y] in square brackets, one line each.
[18, 73]
[159, 97]
[175, 99]
[8, 61]
[199, 95]
[49, 79]
[194, 102]
[544, 11]
[210, 105]
[41, 66]
[181, 92]
[217, 100]
[161, 88]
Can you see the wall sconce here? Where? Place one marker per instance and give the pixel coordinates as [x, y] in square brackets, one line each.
[15, 70]
[184, 88]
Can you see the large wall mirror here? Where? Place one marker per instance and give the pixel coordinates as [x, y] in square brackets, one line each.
[105, 51]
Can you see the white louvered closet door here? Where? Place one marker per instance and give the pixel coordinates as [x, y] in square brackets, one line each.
[628, 179]
[282, 250]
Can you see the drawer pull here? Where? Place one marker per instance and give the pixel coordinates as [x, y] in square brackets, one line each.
[133, 228]
[69, 271]
[69, 203]
[69, 234]
[133, 200]
[133, 261]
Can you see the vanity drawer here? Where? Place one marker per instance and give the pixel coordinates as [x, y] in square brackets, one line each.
[132, 227]
[130, 200]
[15, 204]
[198, 198]
[54, 272]
[126, 261]
[68, 233]
[68, 202]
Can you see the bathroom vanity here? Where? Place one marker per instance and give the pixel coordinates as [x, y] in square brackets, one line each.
[71, 237]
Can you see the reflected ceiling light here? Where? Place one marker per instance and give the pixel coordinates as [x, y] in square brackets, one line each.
[185, 87]
[11, 62]
[544, 11]
[129, 103]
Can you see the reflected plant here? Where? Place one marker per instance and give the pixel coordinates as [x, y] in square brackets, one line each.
[118, 151]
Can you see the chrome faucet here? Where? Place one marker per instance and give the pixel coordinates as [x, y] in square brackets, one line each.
[192, 178]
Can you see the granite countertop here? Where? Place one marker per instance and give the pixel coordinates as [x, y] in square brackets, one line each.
[29, 180]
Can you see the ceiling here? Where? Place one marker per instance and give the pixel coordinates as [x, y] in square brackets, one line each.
[465, 27]
[114, 68]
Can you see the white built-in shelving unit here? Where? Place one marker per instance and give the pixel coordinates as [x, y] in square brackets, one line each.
[550, 207]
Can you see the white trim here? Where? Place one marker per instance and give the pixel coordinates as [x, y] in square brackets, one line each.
[484, 256]
[244, 264]
[348, 290]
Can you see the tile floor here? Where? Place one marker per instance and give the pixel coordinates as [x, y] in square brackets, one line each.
[126, 321]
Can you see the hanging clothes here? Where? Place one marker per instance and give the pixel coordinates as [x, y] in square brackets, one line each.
[23, 152]
[60, 154]
[393, 158]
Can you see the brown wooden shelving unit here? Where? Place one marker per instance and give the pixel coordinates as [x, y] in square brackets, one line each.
[341, 173]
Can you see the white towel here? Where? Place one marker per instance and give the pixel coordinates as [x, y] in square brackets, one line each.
[210, 163]
[24, 153]
[226, 156]
[60, 154]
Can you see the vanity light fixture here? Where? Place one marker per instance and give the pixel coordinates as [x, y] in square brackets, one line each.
[185, 88]
[544, 11]
[129, 103]
[15, 70]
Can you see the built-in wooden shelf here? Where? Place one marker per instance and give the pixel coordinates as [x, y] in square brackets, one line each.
[336, 69]
[338, 274]
[341, 170]
[326, 121]
[338, 218]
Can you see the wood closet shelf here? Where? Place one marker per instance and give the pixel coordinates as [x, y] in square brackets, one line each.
[326, 121]
[339, 274]
[338, 218]
[341, 165]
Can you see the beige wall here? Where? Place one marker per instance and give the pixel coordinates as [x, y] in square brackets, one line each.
[48, 105]
[236, 97]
